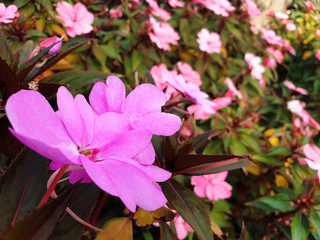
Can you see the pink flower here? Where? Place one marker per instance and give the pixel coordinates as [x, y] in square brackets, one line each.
[102, 146]
[281, 16]
[190, 90]
[296, 107]
[212, 186]
[288, 47]
[142, 106]
[216, 104]
[159, 80]
[310, 5]
[312, 153]
[209, 42]
[318, 54]
[76, 19]
[270, 62]
[233, 91]
[317, 32]
[7, 14]
[182, 227]
[271, 37]
[156, 10]
[189, 74]
[116, 13]
[276, 53]
[163, 34]
[219, 7]
[252, 8]
[256, 68]
[290, 26]
[176, 3]
[292, 87]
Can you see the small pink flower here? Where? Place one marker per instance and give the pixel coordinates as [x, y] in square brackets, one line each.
[189, 74]
[318, 54]
[233, 91]
[270, 62]
[296, 107]
[216, 104]
[7, 14]
[116, 13]
[209, 42]
[292, 87]
[310, 5]
[256, 68]
[182, 227]
[212, 186]
[290, 26]
[276, 53]
[281, 16]
[288, 47]
[163, 34]
[252, 8]
[219, 7]
[317, 32]
[76, 19]
[156, 10]
[271, 37]
[312, 153]
[159, 80]
[176, 3]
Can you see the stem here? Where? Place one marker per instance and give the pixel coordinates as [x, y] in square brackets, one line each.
[78, 219]
[99, 208]
[54, 183]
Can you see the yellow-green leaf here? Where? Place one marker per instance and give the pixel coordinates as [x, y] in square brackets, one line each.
[116, 229]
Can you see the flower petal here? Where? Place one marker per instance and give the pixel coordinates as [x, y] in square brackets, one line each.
[70, 115]
[36, 125]
[147, 156]
[127, 182]
[164, 124]
[144, 99]
[97, 98]
[115, 94]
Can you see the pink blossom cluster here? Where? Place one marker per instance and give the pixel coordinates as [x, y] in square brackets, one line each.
[212, 186]
[107, 142]
[219, 7]
[163, 34]
[312, 153]
[7, 14]
[256, 69]
[252, 9]
[76, 19]
[209, 42]
[283, 18]
[297, 107]
[157, 11]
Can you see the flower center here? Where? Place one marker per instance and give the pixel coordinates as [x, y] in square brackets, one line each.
[92, 154]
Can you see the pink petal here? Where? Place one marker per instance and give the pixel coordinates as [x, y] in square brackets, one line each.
[115, 94]
[144, 99]
[97, 98]
[87, 117]
[147, 156]
[108, 127]
[128, 144]
[219, 191]
[82, 175]
[158, 123]
[127, 182]
[39, 127]
[70, 115]
[313, 152]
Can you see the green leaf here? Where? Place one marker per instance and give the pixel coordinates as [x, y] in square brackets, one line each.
[166, 233]
[189, 206]
[136, 59]
[267, 159]
[39, 224]
[22, 187]
[25, 50]
[52, 61]
[5, 50]
[279, 151]
[250, 142]
[81, 203]
[207, 164]
[77, 79]
[315, 220]
[280, 202]
[300, 227]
